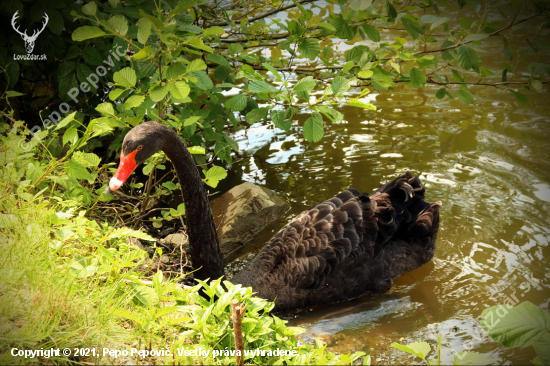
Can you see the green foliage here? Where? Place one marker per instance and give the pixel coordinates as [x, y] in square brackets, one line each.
[522, 325]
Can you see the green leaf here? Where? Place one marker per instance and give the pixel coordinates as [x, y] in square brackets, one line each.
[217, 59]
[261, 87]
[520, 326]
[105, 109]
[76, 170]
[472, 358]
[365, 74]
[536, 84]
[144, 295]
[174, 70]
[144, 52]
[87, 32]
[313, 128]
[236, 103]
[520, 97]
[357, 103]
[214, 175]
[278, 118]
[120, 24]
[418, 349]
[125, 77]
[13, 93]
[382, 77]
[213, 30]
[392, 13]
[89, 160]
[203, 81]
[305, 84]
[144, 30]
[418, 79]
[340, 85]
[468, 58]
[71, 135]
[179, 89]
[412, 26]
[115, 94]
[476, 37]
[327, 26]
[465, 96]
[359, 4]
[309, 48]
[196, 150]
[65, 121]
[90, 8]
[256, 115]
[157, 93]
[343, 30]
[273, 71]
[134, 101]
[92, 56]
[331, 113]
[440, 94]
[371, 32]
[196, 65]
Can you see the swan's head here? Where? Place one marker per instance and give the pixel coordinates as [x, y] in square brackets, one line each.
[139, 144]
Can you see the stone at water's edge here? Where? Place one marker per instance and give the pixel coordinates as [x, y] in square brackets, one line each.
[242, 212]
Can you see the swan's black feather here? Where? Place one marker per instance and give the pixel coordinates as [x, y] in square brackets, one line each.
[348, 246]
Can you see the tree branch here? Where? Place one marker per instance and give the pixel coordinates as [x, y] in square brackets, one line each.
[266, 14]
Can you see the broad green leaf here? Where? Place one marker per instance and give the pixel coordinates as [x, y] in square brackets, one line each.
[86, 32]
[92, 56]
[89, 160]
[357, 103]
[465, 96]
[261, 87]
[217, 59]
[214, 175]
[236, 103]
[115, 94]
[520, 97]
[390, 10]
[418, 79]
[309, 48]
[331, 113]
[159, 24]
[174, 70]
[179, 89]
[105, 109]
[343, 30]
[340, 85]
[536, 84]
[256, 115]
[213, 30]
[439, 22]
[125, 77]
[144, 52]
[472, 358]
[327, 26]
[359, 4]
[191, 121]
[125, 232]
[476, 37]
[203, 81]
[365, 74]
[382, 77]
[90, 8]
[13, 93]
[371, 32]
[144, 295]
[144, 30]
[76, 170]
[520, 326]
[71, 135]
[273, 71]
[196, 65]
[440, 94]
[468, 58]
[278, 118]
[313, 128]
[157, 93]
[196, 150]
[65, 121]
[119, 23]
[428, 18]
[418, 349]
[134, 101]
[305, 84]
[412, 26]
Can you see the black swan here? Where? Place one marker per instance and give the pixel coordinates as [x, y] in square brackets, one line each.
[350, 245]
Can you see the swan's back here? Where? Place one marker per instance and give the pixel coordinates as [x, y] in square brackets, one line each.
[350, 245]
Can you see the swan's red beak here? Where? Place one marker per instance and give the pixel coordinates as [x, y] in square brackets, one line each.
[126, 167]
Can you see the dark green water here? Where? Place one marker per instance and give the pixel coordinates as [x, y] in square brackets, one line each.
[488, 163]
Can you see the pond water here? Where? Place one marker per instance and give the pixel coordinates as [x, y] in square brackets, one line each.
[488, 162]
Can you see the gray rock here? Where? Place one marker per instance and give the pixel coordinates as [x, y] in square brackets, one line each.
[242, 212]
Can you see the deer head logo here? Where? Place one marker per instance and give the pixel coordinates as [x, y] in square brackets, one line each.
[29, 40]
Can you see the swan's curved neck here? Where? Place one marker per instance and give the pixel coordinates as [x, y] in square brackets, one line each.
[203, 240]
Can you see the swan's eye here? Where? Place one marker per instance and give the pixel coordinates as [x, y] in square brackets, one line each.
[140, 147]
